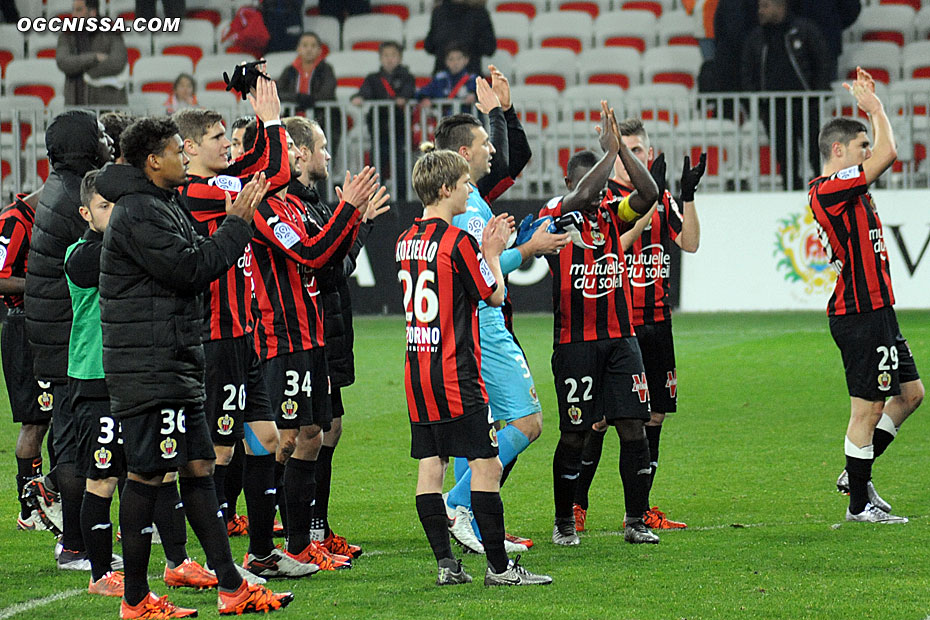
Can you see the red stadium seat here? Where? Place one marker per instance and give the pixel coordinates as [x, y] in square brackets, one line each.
[527, 7]
[210, 15]
[548, 67]
[562, 30]
[915, 60]
[887, 22]
[367, 32]
[37, 77]
[635, 29]
[880, 58]
[672, 65]
[594, 8]
[392, 7]
[512, 31]
[615, 66]
[653, 6]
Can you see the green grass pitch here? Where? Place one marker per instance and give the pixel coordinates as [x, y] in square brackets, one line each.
[749, 462]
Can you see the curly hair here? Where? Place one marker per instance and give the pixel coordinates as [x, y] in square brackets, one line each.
[146, 136]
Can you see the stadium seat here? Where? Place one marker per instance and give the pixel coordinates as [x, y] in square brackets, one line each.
[584, 101]
[327, 28]
[880, 58]
[887, 22]
[512, 31]
[653, 6]
[719, 138]
[31, 111]
[503, 61]
[420, 65]
[636, 29]
[909, 92]
[209, 72]
[552, 67]
[678, 28]
[12, 45]
[569, 30]
[42, 44]
[616, 66]
[914, 4]
[58, 8]
[672, 64]
[922, 24]
[915, 60]
[528, 7]
[213, 11]
[536, 105]
[121, 8]
[195, 39]
[662, 102]
[224, 103]
[401, 8]
[415, 30]
[38, 77]
[366, 32]
[277, 62]
[351, 67]
[594, 8]
[157, 73]
[148, 103]
[138, 44]
[311, 7]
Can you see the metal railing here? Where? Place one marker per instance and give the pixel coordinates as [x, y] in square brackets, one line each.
[755, 142]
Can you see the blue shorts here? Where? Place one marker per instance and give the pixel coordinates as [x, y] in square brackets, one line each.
[507, 377]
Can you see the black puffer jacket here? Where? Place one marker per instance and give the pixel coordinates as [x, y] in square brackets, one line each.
[153, 270]
[333, 281]
[72, 140]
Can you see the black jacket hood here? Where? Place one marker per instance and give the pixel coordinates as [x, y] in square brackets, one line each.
[117, 180]
[73, 142]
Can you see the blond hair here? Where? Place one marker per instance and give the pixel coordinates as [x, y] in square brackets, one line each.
[435, 169]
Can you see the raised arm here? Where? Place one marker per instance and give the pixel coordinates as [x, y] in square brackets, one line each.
[589, 188]
[884, 150]
[513, 148]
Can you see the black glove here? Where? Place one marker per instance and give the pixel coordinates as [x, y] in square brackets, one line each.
[690, 177]
[244, 77]
[658, 174]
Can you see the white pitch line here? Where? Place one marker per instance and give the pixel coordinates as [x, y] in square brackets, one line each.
[19, 608]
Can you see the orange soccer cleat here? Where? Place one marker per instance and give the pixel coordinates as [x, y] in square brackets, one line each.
[655, 519]
[580, 515]
[316, 553]
[238, 526]
[155, 607]
[111, 584]
[190, 574]
[336, 544]
[250, 599]
[518, 540]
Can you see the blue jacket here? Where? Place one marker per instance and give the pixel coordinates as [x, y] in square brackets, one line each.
[440, 87]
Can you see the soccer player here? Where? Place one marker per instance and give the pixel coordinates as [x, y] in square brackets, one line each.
[647, 247]
[30, 400]
[237, 403]
[153, 270]
[596, 361]
[881, 377]
[289, 337]
[333, 283]
[236, 149]
[444, 277]
[494, 162]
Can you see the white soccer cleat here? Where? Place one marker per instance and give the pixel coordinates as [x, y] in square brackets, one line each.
[515, 575]
[874, 514]
[563, 533]
[842, 485]
[462, 531]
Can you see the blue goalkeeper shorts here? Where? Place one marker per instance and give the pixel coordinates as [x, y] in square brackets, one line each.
[507, 377]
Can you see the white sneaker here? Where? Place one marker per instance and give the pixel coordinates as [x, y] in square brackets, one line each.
[461, 530]
[874, 514]
[278, 564]
[563, 533]
[249, 577]
[515, 575]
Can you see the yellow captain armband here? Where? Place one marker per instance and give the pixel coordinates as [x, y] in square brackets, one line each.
[626, 212]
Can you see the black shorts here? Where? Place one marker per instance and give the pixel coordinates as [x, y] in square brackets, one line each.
[30, 401]
[336, 400]
[658, 350]
[166, 439]
[876, 356]
[100, 441]
[235, 386]
[298, 384]
[470, 437]
[600, 379]
[64, 429]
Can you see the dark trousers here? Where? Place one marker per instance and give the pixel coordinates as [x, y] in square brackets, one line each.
[146, 8]
[781, 134]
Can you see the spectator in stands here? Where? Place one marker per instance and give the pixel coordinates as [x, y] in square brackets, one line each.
[466, 23]
[9, 11]
[455, 81]
[183, 94]
[146, 8]
[393, 82]
[733, 21]
[787, 53]
[93, 62]
[285, 23]
[833, 17]
[310, 80]
[340, 9]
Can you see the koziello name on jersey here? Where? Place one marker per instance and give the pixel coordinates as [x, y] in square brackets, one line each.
[599, 279]
[647, 267]
[416, 249]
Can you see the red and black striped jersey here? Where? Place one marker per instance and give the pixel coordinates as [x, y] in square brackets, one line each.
[228, 300]
[589, 286]
[648, 261]
[852, 235]
[443, 277]
[15, 233]
[287, 248]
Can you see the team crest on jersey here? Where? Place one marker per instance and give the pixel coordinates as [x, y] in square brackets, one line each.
[574, 415]
[533, 394]
[103, 458]
[169, 448]
[289, 409]
[641, 387]
[671, 382]
[46, 401]
[225, 425]
[597, 237]
[884, 382]
[800, 252]
[493, 434]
